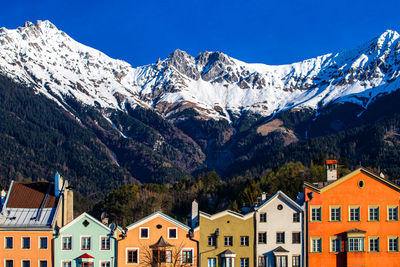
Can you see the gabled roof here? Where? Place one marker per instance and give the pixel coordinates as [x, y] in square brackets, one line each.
[355, 230]
[225, 213]
[155, 215]
[283, 195]
[85, 256]
[228, 252]
[323, 188]
[161, 243]
[32, 195]
[280, 249]
[86, 216]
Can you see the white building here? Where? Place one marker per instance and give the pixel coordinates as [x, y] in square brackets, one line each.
[279, 232]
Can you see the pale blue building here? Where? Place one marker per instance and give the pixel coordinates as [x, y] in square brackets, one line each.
[85, 242]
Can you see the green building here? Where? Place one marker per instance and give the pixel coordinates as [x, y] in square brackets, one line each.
[226, 239]
[85, 242]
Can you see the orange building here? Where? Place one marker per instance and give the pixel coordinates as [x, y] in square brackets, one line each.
[352, 221]
[158, 240]
[30, 213]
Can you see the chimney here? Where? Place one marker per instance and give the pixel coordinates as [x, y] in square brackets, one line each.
[331, 170]
[263, 197]
[67, 204]
[194, 218]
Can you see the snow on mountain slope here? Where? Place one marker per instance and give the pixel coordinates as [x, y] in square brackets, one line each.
[212, 83]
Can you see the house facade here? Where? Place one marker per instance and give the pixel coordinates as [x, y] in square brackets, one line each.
[352, 221]
[85, 242]
[30, 212]
[279, 232]
[158, 240]
[226, 239]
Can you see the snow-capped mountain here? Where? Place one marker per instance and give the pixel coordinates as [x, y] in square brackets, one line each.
[214, 84]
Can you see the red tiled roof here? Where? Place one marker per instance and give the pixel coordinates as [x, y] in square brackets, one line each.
[331, 161]
[85, 256]
[31, 195]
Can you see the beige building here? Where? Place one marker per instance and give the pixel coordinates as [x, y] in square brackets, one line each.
[226, 239]
[279, 232]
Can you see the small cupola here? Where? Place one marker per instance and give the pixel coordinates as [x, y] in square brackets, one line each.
[331, 170]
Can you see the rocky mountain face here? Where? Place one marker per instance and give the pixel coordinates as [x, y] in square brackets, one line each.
[184, 114]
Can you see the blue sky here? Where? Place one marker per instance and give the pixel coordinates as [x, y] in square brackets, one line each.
[254, 31]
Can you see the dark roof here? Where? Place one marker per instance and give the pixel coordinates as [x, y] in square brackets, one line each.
[320, 185]
[161, 243]
[355, 230]
[228, 252]
[280, 249]
[31, 195]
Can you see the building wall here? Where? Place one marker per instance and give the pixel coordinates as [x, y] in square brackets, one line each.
[278, 221]
[345, 194]
[76, 230]
[132, 240]
[17, 253]
[228, 225]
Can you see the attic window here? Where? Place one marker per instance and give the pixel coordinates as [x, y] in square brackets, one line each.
[361, 184]
[85, 223]
[159, 226]
[280, 207]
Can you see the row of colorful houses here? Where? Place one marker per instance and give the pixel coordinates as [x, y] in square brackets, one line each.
[350, 221]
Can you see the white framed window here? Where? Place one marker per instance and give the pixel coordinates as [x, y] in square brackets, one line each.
[86, 242]
[263, 217]
[228, 241]
[43, 242]
[172, 232]
[132, 255]
[228, 262]
[354, 213]
[105, 243]
[261, 261]
[316, 213]
[211, 241]
[66, 242]
[66, 264]
[393, 244]
[373, 213]
[25, 263]
[335, 214]
[26, 242]
[373, 244]
[105, 264]
[281, 261]
[42, 263]
[244, 262]
[9, 263]
[8, 242]
[336, 244]
[244, 241]
[187, 255]
[211, 262]
[296, 261]
[355, 244]
[144, 232]
[393, 213]
[316, 244]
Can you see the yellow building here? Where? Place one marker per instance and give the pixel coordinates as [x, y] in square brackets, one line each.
[226, 239]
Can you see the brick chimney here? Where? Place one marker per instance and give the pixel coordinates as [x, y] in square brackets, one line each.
[331, 170]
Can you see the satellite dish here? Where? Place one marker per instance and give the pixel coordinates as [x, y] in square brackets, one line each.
[113, 226]
[103, 215]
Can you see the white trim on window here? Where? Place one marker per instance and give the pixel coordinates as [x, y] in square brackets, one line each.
[5, 261]
[39, 241]
[22, 262]
[103, 261]
[62, 244]
[126, 256]
[191, 249]
[176, 231]
[64, 261]
[47, 265]
[5, 242]
[140, 232]
[22, 242]
[80, 242]
[100, 242]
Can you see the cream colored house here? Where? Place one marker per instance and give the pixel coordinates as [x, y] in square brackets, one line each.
[278, 232]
